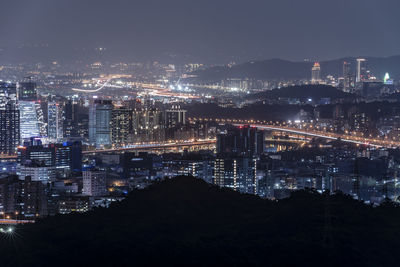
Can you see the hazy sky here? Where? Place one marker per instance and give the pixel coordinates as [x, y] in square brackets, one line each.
[209, 29]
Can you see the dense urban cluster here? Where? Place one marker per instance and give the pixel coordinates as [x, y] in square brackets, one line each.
[72, 141]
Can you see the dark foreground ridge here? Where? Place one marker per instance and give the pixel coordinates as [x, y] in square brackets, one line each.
[185, 221]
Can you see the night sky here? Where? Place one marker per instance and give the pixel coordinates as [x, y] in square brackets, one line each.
[209, 30]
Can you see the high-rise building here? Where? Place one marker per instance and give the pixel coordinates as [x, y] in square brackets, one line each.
[23, 198]
[29, 122]
[27, 91]
[238, 173]
[94, 183]
[9, 129]
[236, 163]
[361, 69]
[121, 126]
[8, 94]
[243, 140]
[68, 156]
[175, 116]
[348, 80]
[70, 122]
[54, 125]
[316, 73]
[146, 124]
[100, 123]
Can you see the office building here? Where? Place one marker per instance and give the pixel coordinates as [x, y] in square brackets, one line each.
[94, 183]
[8, 94]
[55, 122]
[27, 91]
[100, 123]
[9, 129]
[29, 123]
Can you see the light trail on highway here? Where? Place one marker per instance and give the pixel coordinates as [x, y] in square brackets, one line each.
[145, 146]
[152, 146]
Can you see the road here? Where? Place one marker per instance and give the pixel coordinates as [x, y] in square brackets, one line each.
[149, 146]
[146, 146]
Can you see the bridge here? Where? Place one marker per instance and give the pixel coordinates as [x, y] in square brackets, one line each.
[142, 146]
[153, 146]
[282, 127]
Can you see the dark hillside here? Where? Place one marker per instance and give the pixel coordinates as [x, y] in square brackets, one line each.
[185, 221]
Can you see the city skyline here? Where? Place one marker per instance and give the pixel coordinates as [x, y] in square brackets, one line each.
[199, 133]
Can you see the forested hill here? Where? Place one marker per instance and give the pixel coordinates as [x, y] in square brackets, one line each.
[187, 222]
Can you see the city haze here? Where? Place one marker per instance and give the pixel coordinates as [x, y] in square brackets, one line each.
[210, 31]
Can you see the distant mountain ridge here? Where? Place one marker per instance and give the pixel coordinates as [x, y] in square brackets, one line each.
[279, 69]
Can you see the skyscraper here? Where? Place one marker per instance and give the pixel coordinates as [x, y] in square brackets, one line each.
[316, 73]
[361, 69]
[100, 123]
[27, 91]
[236, 162]
[9, 129]
[29, 119]
[54, 127]
[8, 94]
[121, 126]
[347, 77]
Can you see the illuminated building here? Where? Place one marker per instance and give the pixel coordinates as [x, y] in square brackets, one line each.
[146, 124]
[23, 198]
[121, 126]
[9, 129]
[348, 78]
[361, 69]
[68, 156]
[94, 183]
[28, 119]
[244, 140]
[100, 123]
[76, 204]
[236, 163]
[27, 91]
[38, 154]
[316, 73]
[175, 117]
[8, 94]
[72, 123]
[237, 173]
[37, 172]
[54, 127]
